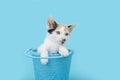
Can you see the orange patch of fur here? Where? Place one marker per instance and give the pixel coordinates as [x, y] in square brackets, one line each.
[66, 29]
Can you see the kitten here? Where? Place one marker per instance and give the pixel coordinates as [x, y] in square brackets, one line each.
[55, 41]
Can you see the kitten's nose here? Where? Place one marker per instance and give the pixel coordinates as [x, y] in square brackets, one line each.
[63, 40]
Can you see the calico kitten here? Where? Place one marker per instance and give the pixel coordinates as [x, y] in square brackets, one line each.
[55, 40]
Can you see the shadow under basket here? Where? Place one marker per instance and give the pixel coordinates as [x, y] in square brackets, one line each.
[57, 68]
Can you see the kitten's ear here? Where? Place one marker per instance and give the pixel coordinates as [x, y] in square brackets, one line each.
[51, 23]
[71, 26]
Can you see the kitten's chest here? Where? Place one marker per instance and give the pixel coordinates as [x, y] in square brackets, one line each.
[53, 48]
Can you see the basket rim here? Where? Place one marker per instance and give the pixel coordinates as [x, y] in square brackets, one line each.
[29, 52]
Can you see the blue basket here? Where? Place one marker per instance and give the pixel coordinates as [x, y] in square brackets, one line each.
[57, 68]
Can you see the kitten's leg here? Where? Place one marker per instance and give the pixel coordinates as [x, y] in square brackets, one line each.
[63, 51]
[43, 53]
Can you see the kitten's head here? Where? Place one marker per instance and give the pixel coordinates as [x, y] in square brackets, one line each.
[58, 32]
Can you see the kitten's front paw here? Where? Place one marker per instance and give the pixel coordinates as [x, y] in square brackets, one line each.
[44, 61]
[64, 52]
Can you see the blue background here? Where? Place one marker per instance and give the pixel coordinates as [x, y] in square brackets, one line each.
[95, 40]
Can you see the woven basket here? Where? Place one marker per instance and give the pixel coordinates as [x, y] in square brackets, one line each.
[57, 68]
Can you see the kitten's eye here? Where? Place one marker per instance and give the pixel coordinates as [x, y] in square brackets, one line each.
[66, 34]
[58, 32]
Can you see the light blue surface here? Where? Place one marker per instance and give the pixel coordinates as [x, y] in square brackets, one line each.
[96, 38]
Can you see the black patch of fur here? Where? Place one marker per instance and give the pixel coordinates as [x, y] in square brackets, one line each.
[50, 31]
[54, 27]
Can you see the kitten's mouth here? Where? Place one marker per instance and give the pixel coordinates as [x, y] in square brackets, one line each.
[62, 42]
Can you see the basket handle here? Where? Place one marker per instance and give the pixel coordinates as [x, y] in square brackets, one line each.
[28, 53]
